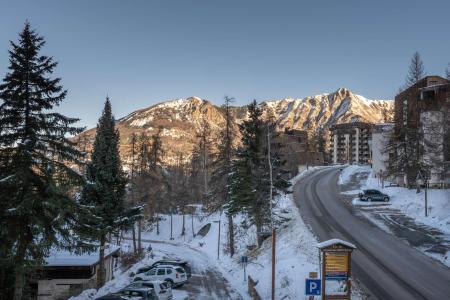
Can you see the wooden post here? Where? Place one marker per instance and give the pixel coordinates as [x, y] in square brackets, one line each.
[323, 276]
[349, 282]
[273, 262]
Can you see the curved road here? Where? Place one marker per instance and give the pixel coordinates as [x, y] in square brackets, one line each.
[385, 266]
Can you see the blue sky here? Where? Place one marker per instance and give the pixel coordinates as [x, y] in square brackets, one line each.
[143, 52]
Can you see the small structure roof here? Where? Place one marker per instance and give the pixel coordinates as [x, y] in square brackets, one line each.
[328, 243]
[64, 258]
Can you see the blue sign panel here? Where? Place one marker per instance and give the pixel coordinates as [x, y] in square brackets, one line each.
[336, 276]
[312, 287]
[244, 259]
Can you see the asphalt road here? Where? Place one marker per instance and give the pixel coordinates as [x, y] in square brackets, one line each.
[385, 266]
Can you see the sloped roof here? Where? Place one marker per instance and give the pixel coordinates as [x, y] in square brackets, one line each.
[333, 242]
[60, 258]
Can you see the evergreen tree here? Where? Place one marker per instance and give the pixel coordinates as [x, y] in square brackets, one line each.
[105, 190]
[223, 167]
[36, 207]
[447, 71]
[201, 164]
[131, 193]
[416, 70]
[156, 150]
[148, 184]
[251, 183]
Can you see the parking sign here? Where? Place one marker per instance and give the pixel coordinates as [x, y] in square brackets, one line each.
[312, 287]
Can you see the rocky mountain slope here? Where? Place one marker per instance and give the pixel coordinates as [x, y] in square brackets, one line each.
[182, 119]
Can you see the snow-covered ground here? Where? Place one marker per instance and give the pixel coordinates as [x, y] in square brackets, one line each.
[296, 255]
[297, 252]
[407, 201]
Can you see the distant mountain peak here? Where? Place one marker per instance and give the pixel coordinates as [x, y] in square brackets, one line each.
[182, 118]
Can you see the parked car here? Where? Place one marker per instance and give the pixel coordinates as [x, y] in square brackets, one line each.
[113, 296]
[174, 262]
[162, 290]
[373, 195]
[174, 275]
[141, 293]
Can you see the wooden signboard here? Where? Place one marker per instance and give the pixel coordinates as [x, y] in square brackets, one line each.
[336, 269]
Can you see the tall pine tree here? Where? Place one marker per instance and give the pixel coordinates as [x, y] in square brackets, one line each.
[222, 170]
[105, 190]
[250, 180]
[416, 70]
[201, 164]
[36, 209]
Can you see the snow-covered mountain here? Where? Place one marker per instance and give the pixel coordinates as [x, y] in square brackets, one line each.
[324, 110]
[181, 119]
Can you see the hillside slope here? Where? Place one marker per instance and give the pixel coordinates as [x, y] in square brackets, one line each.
[181, 119]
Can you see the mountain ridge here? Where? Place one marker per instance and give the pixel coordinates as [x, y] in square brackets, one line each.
[180, 119]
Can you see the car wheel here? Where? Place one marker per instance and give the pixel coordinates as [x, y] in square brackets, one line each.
[169, 282]
[386, 199]
[368, 199]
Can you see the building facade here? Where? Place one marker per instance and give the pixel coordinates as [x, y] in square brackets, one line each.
[293, 146]
[351, 143]
[67, 274]
[381, 133]
[422, 113]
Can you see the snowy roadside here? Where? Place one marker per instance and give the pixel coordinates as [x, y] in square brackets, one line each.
[404, 214]
[297, 254]
[407, 201]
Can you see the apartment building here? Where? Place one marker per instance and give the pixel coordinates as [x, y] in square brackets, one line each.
[381, 134]
[422, 112]
[293, 147]
[351, 143]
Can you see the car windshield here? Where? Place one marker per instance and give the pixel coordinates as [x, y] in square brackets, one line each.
[180, 270]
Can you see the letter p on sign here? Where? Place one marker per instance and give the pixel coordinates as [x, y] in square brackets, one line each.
[312, 287]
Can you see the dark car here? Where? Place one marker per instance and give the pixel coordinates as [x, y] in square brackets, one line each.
[173, 262]
[373, 195]
[138, 293]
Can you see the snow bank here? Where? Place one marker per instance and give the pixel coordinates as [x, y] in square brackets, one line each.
[357, 202]
[347, 173]
[407, 201]
[297, 252]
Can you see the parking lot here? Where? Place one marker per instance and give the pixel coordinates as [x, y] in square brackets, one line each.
[206, 282]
